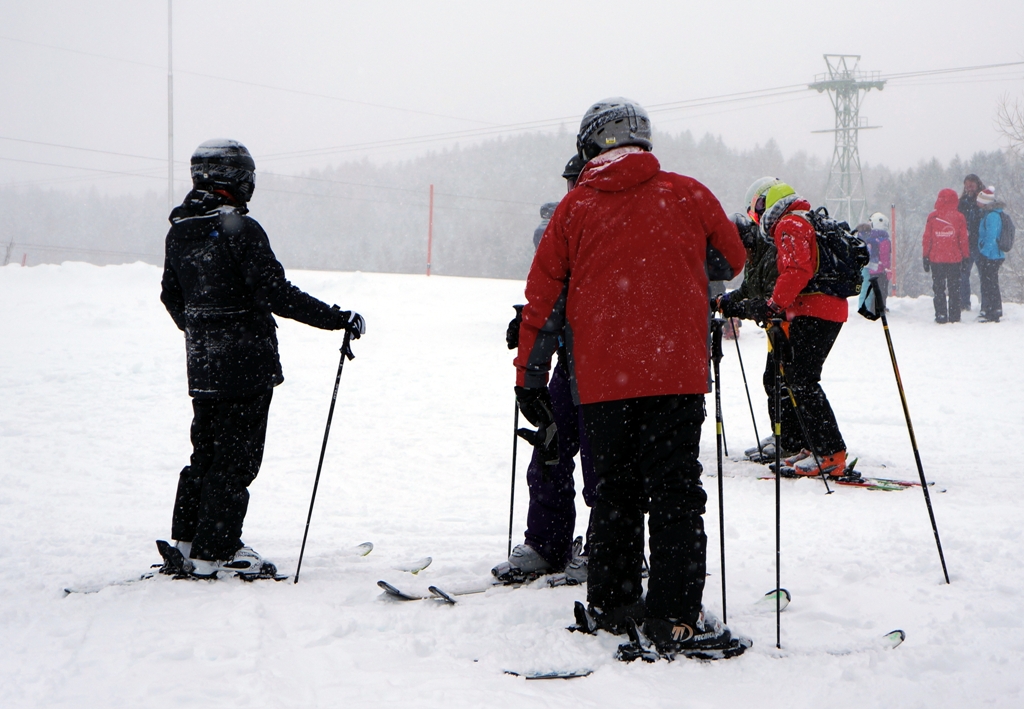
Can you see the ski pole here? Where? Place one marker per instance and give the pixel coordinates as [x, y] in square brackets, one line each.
[750, 403]
[777, 354]
[777, 429]
[512, 495]
[910, 427]
[716, 358]
[346, 352]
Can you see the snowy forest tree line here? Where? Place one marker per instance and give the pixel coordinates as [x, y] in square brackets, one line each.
[369, 216]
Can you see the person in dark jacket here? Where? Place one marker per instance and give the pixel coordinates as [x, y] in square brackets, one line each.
[551, 517]
[223, 285]
[968, 206]
[945, 249]
[990, 257]
[759, 274]
[546, 210]
[622, 270]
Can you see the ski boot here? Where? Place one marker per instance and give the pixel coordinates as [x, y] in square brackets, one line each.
[590, 619]
[524, 564]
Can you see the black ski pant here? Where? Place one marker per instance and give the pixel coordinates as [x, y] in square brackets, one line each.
[227, 450]
[965, 279]
[810, 340]
[645, 458]
[991, 300]
[946, 277]
[551, 518]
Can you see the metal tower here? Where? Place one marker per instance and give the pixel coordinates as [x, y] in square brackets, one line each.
[844, 196]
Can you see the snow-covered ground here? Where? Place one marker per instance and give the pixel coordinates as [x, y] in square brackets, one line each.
[94, 419]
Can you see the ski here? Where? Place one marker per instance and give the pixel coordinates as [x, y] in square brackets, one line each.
[554, 674]
[360, 550]
[778, 597]
[123, 582]
[450, 595]
[414, 567]
[395, 592]
[442, 595]
[853, 479]
[889, 641]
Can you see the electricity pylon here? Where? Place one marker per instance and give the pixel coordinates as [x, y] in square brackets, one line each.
[844, 196]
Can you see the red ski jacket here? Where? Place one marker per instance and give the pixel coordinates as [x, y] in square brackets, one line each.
[621, 271]
[945, 232]
[796, 244]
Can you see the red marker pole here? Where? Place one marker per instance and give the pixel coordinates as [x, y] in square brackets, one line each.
[430, 229]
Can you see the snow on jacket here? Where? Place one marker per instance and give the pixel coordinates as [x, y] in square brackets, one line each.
[880, 247]
[622, 267]
[221, 284]
[796, 244]
[945, 231]
[989, 230]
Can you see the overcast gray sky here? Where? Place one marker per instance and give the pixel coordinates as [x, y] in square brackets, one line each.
[368, 78]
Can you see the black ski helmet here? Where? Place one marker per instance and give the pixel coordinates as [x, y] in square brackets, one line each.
[612, 123]
[573, 168]
[226, 164]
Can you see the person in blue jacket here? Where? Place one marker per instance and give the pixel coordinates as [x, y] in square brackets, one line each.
[990, 258]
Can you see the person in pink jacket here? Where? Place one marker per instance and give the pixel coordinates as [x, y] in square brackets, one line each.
[945, 248]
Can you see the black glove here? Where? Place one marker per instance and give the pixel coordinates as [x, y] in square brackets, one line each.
[730, 306]
[348, 320]
[512, 333]
[927, 265]
[535, 405]
[760, 311]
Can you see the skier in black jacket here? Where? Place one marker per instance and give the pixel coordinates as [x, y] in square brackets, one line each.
[222, 286]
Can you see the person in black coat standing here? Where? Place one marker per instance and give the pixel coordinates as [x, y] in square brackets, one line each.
[968, 206]
[222, 286]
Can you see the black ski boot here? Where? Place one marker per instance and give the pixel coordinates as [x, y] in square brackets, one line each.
[590, 619]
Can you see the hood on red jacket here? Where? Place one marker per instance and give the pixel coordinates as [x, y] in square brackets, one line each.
[946, 201]
[619, 169]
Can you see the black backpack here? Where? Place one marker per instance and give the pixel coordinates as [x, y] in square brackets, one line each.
[842, 255]
[1006, 234]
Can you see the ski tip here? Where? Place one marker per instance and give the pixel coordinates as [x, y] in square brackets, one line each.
[416, 566]
[768, 600]
[364, 548]
[441, 595]
[556, 674]
[388, 587]
[779, 591]
[894, 638]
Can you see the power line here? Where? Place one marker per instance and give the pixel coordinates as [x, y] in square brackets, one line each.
[932, 72]
[76, 167]
[249, 83]
[75, 147]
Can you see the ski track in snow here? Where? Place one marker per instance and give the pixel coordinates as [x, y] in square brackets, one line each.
[94, 429]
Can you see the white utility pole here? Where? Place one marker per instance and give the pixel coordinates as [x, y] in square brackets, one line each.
[170, 113]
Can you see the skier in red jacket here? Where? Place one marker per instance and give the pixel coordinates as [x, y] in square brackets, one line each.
[623, 269]
[811, 323]
[946, 247]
